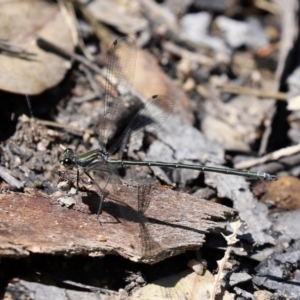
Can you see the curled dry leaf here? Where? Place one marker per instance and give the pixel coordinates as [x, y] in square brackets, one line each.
[283, 194]
[20, 23]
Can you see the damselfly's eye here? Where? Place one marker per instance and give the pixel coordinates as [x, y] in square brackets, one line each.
[66, 162]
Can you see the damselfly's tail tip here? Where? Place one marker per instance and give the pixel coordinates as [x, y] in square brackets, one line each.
[270, 177]
[266, 177]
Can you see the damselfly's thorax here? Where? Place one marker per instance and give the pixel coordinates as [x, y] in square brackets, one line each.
[87, 160]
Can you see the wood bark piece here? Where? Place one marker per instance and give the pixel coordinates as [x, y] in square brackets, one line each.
[173, 223]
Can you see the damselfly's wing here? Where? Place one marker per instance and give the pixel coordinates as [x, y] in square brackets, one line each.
[106, 177]
[144, 197]
[120, 74]
[148, 245]
[148, 119]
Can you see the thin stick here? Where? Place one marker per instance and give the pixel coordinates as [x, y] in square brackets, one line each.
[242, 90]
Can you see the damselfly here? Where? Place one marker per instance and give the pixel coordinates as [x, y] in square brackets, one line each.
[154, 112]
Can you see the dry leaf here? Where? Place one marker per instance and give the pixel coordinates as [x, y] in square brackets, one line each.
[150, 80]
[20, 23]
[284, 193]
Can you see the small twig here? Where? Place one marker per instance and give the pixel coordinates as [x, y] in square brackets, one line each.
[12, 181]
[13, 50]
[276, 155]
[241, 90]
[77, 284]
[196, 57]
[267, 6]
[91, 288]
[29, 106]
[65, 126]
[48, 46]
[76, 30]
[69, 16]
[289, 12]
[267, 132]
[85, 98]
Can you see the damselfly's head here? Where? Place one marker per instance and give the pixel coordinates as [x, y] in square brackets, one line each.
[67, 159]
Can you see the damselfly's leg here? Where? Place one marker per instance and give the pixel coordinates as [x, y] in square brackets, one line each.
[102, 197]
[63, 174]
[101, 191]
[77, 181]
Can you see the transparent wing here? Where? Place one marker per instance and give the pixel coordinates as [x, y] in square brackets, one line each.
[149, 118]
[106, 174]
[144, 197]
[120, 74]
[149, 246]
